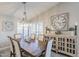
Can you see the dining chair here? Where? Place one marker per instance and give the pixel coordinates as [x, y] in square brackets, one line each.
[32, 36]
[42, 42]
[17, 36]
[18, 52]
[49, 48]
[12, 50]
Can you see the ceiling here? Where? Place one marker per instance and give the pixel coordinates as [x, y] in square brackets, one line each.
[32, 8]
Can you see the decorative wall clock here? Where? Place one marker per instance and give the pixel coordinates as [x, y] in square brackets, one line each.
[60, 22]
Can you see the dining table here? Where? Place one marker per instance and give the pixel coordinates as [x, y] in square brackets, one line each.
[32, 48]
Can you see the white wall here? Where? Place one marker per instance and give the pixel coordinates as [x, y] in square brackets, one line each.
[4, 41]
[71, 7]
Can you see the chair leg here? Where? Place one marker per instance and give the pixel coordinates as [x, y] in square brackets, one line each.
[42, 54]
[10, 54]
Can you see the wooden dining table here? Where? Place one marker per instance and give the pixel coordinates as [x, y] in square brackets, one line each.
[32, 48]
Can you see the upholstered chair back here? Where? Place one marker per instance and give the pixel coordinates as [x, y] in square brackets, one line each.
[42, 42]
[17, 48]
[49, 48]
[17, 36]
[12, 51]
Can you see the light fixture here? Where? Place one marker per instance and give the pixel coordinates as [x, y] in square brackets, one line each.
[24, 19]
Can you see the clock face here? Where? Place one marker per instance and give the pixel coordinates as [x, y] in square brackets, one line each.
[59, 22]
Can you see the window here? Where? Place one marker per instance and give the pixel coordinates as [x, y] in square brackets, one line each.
[30, 28]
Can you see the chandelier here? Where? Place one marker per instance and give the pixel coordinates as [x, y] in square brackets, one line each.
[24, 13]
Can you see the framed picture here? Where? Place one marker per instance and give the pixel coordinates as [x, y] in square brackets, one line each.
[60, 21]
